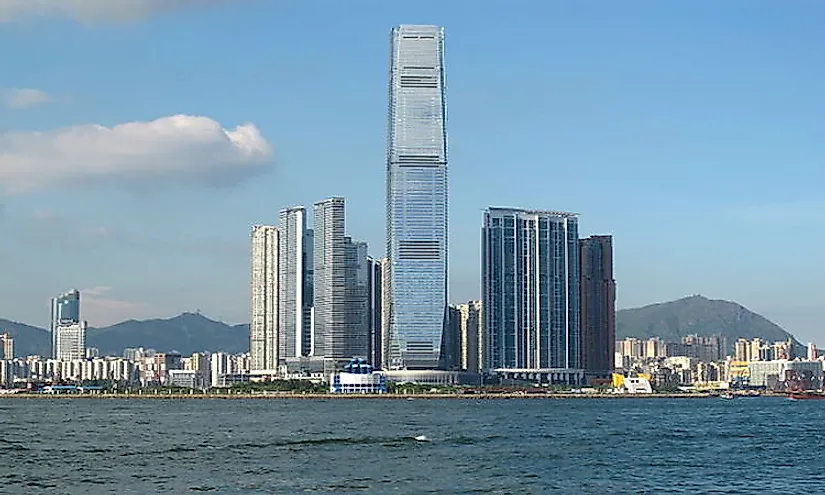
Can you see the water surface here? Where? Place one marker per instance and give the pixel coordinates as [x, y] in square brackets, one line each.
[89, 447]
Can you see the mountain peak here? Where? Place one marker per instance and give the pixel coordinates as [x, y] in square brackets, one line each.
[696, 314]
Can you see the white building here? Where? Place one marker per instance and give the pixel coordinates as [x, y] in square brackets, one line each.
[70, 341]
[263, 324]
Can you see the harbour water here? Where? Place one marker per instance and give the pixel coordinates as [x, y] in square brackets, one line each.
[89, 447]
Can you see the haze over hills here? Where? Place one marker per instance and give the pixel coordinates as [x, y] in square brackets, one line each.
[185, 333]
[696, 315]
[193, 332]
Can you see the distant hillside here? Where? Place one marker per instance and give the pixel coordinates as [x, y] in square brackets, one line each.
[185, 333]
[28, 340]
[696, 315]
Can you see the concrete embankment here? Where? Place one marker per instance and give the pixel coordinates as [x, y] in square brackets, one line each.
[277, 395]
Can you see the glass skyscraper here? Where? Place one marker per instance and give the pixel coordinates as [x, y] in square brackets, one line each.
[530, 284]
[417, 198]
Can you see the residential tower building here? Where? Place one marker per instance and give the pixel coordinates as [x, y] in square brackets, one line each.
[295, 284]
[530, 288]
[263, 323]
[598, 305]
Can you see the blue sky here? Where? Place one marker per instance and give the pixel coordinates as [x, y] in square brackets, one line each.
[693, 132]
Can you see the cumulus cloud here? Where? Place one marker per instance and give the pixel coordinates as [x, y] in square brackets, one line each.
[23, 97]
[180, 148]
[92, 11]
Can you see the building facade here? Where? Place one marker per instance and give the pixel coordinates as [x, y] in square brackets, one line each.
[295, 279]
[65, 311]
[417, 197]
[374, 306]
[7, 345]
[530, 287]
[598, 305]
[341, 287]
[70, 341]
[263, 323]
[471, 336]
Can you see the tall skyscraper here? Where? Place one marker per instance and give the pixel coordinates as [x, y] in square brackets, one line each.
[263, 323]
[530, 287]
[295, 281]
[598, 305]
[65, 311]
[417, 197]
[341, 287]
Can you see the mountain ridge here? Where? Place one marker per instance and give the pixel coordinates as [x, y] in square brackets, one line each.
[700, 315]
[193, 332]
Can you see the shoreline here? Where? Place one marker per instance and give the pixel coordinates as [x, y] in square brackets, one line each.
[290, 396]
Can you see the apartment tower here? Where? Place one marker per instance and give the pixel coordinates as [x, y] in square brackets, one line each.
[598, 305]
[530, 288]
[263, 322]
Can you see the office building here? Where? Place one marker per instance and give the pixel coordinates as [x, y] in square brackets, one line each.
[598, 305]
[417, 197]
[295, 279]
[530, 287]
[8, 345]
[263, 323]
[65, 311]
[341, 287]
[70, 341]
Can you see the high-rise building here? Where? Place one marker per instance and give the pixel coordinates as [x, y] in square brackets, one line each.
[386, 305]
[374, 305]
[295, 281]
[263, 323]
[341, 287]
[530, 287]
[417, 197]
[8, 345]
[70, 341]
[471, 337]
[65, 311]
[451, 340]
[598, 305]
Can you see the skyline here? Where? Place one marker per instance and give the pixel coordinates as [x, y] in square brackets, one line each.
[678, 136]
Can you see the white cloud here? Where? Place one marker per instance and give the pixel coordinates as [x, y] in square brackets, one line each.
[92, 11]
[23, 97]
[179, 148]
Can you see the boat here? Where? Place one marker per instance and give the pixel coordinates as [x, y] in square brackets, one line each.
[806, 395]
[727, 396]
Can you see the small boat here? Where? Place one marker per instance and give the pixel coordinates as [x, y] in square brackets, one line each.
[727, 396]
[806, 395]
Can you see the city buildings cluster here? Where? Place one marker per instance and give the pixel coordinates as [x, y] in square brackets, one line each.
[547, 312]
[708, 362]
